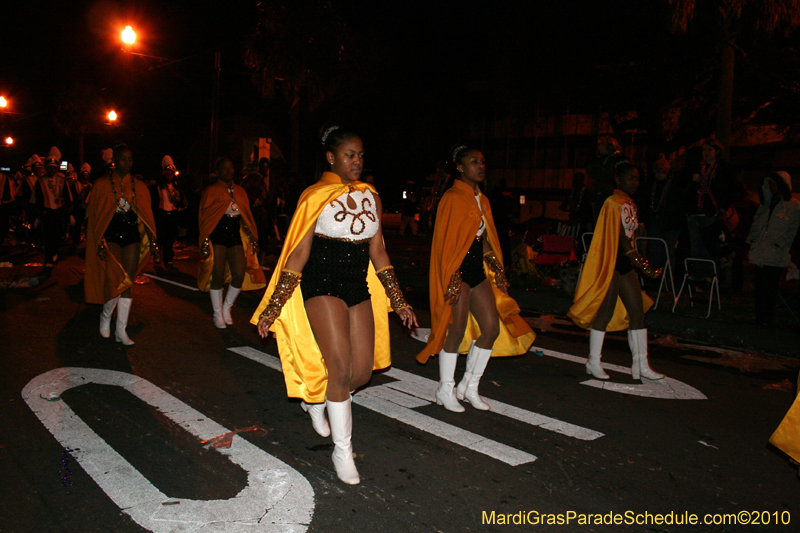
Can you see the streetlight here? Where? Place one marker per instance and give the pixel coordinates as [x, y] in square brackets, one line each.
[128, 36]
[112, 116]
[3, 102]
[9, 141]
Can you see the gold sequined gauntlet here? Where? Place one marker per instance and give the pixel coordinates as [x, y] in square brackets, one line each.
[392, 287]
[205, 248]
[641, 264]
[454, 288]
[287, 283]
[494, 265]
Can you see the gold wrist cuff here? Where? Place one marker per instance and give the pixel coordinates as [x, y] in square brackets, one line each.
[641, 264]
[494, 265]
[287, 283]
[389, 281]
[454, 288]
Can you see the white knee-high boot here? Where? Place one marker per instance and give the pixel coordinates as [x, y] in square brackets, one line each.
[123, 312]
[637, 340]
[105, 317]
[230, 298]
[341, 422]
[216, 304]
[318, 420]
[447, 372]
[595, 353]
[477, 359]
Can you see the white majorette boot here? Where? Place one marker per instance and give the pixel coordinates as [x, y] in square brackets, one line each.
[447, 371]
[318, 420]
[637, 340]
[341, 419]
[216, 304]
[105, 317]
[595, 353]
[123, 312]
[230, 298]
[477, 358]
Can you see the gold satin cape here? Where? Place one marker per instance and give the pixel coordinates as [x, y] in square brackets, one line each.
[598, 270]
[213, 205]
[457, 221]
[304, 369]
[787, 436]
[106, 279]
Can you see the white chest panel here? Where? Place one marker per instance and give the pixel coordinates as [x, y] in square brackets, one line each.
[340, 221]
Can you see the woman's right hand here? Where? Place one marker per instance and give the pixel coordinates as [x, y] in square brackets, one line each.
[451, 299]
[263, 327]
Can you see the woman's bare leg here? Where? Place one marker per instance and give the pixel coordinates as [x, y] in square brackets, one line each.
[630, 292]
[606, 310]
[330, 322]
[483, 307]
[456, 329]
[237, 264]
[218, 269]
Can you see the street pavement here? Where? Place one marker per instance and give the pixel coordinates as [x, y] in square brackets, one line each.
[97, 437]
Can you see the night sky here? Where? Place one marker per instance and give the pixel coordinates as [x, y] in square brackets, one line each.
[434, 67]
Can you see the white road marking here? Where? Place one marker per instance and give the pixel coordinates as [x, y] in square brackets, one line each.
[277, 498]
[165, 280]
[397, 399]
[667, 388]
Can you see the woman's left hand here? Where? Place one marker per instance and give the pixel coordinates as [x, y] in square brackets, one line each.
[408, 317]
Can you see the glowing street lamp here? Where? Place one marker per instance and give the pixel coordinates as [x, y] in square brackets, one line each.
[9, 141]
[128, 36]
[3, 102]
[112, 116]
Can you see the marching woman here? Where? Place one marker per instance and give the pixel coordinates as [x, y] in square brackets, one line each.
[325, 302]
[119, 238]
[228, 244]
[608, 296]
[470, 307]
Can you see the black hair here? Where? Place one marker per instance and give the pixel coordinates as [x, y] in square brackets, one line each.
[333, 137]
[622, 166]
[118, 148]
[221, 160]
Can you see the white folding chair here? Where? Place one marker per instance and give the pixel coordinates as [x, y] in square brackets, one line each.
[667, 266]
[714, 284]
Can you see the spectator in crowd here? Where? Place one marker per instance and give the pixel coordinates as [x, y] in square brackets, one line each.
[601, 171]
[84, 187]
[771, 235]
[662, 212]
[579, 207]
[408, 210]
[709, 196]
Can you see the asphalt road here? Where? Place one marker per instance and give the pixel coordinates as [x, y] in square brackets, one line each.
[97, 437]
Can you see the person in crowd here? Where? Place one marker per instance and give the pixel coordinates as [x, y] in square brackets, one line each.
[51, 198]
[31, 172]
[83, 187]
[120, 236]
[168, 202]
[579, 207]
[771, 235]
[608, 296]
[7, 192]
[601, 171]
[710, 195]
[441, 183]
[325, 302]
[228, 244]
[256, 185]
[470, 307]
[662, 212]
[408, 210]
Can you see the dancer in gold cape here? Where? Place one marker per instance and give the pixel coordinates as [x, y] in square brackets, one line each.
[228, 244]
[119, 236]
[787, 436]
[332, 329]
[470, 307]
[608, 296]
